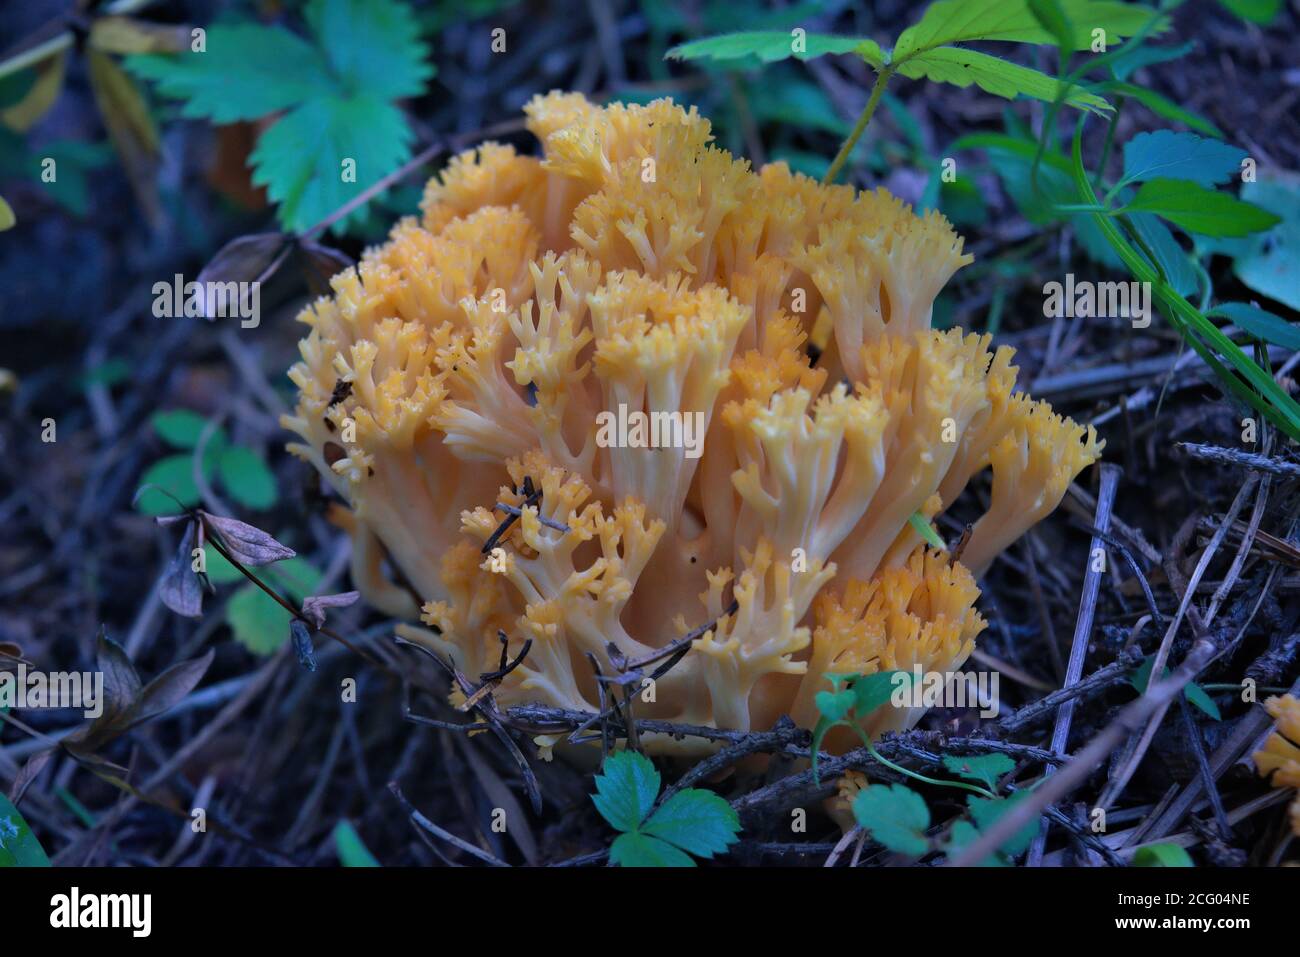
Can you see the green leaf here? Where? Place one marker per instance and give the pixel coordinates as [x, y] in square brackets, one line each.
[1051, 17]
[7, 218]
[351, 849]
[1264, 326]
[220, 571]
[1195, 694]
[872, 691]
[895, 816]
[181, 428]
[300, 159]
[1200, 210]
[626, 789]
[1172, 259]
[962, 67]
[834, 705]
[258, 621]
[962, 835]
[1179, 156]
[984, 768]
[642, 850]
[175, 474]
[695, 820]
[770, 46]
[1161, 106]
[246, 477]
[1162, 855]
[246, 72]
[1256, 11]
[1134, 56]
[373, 46]
[987, 811]
[1270, 261]
[923, 527]
[962, 21]
[18, 845]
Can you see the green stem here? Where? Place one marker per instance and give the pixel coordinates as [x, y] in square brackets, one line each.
[882, 78]
[871, 749]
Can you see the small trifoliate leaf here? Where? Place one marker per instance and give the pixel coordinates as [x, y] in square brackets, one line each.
[626, 789]
[895, 816]
[174, 474]
[984, 768]
[695, 820]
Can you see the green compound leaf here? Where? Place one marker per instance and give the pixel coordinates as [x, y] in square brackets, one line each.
[895, 816]
[18, 845]
[695, 820]
[257, 620]
[642, 850]
[1180, 156]
[373, 46]
[984, 768]
[769, 46]
[1162, 855]
[302, 160]
[247, 478]
[246, 72]
[626, 789]
[1200, 210]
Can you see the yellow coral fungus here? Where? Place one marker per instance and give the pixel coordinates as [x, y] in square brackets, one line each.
[1280, 756]
[606, 345]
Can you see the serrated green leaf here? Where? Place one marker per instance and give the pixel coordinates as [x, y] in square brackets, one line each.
[1162, 855]
[258, 621]
[642, 850]
[18, 845]
[962, 67]
[182, 428]
[373, 46]
[984, 768]
[1256, 11]
[300, 160]
[987, 812]
[963, 21]
[895, 816]
[351, 849]
[1200, 210]
[1164, 154]
[695, 820]
[1134, 56]
[246, 72]
[1264, 326]
[246, 477]
[626, 789]
[769, 46]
